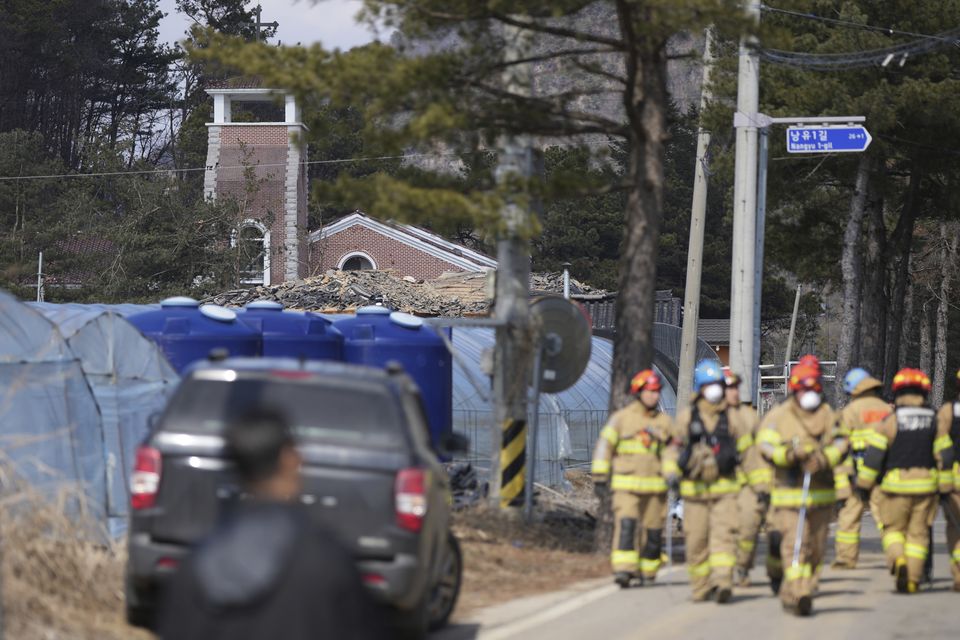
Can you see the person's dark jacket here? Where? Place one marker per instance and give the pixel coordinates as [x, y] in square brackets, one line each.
[266, 573]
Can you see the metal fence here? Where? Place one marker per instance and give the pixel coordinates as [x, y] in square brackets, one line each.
[773, 383]
[566, 440]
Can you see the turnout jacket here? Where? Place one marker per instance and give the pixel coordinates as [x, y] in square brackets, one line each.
[727, 431]
[787, 427]
[910, 449]
[858, 419]
[948, 420]
[632, 451]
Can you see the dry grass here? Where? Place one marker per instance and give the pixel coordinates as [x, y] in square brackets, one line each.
[505, 558]
[58, 583]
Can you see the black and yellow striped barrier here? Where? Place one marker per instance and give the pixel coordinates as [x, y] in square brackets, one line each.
[513, 463]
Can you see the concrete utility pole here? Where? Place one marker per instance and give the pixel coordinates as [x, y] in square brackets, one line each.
[745, 210]
[513, 348]
[698, 214]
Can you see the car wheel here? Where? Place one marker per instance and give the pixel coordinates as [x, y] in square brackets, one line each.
[444, 594]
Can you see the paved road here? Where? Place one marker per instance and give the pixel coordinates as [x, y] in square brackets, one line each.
[857, 604]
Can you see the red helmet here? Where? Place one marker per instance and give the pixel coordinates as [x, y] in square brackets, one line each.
[911, 379]
[730, 378]
[646, 379]
[811, 361]
[804, 376]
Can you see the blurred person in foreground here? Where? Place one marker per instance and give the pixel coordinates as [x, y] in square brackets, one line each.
[265, 572]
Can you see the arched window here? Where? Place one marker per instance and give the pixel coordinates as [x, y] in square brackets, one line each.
[357, 261]
[252, 243]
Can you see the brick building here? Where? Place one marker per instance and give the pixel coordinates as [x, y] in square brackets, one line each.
[259, 164]
[361, 242]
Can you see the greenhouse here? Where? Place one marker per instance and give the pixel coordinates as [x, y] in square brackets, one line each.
[570, 421]
[130, 380]
[51, 435]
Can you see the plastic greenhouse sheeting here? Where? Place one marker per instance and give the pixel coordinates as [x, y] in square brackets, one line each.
[130, 380]
[50, 428]
[570, 421]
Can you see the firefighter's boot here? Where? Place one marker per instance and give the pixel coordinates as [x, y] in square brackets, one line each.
[774, 563]
[623, 578]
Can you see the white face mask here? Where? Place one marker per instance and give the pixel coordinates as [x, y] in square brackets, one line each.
[712, 393]
[809, 400]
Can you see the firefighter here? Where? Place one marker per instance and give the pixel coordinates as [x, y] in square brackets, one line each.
[632, 460]
[710, 439]
[866, 409]
[909, 449]
[801, 439]
[755, 476]
[948, 420]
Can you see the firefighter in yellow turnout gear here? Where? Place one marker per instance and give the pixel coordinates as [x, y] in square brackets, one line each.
[710, 439]
[865, 410]
[632, 460]
[909, 450]
[800, 437]
[948, 421]
[755, 476]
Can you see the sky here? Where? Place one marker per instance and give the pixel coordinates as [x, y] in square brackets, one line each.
[330, 22]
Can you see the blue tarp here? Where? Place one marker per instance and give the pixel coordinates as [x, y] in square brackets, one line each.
[130, 380]
[51, 434]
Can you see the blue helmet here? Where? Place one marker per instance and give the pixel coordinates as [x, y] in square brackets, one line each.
[707, 372]
[853, 378]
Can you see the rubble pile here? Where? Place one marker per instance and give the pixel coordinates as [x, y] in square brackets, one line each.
[452, 294]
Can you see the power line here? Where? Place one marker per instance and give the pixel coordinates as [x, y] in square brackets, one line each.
[855, 25]
[102, 174]
[925, 43]
[407, 156]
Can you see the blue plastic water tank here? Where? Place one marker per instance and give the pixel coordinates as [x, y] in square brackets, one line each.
[187, 332]
[376, 336]
[292, 334]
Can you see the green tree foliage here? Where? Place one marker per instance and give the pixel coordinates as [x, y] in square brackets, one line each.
[77, 71]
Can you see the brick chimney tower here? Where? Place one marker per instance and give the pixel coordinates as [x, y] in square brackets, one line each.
[259, 163]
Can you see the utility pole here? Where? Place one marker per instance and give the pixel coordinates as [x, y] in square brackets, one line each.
[698, 214]
[745, 210]
[758, 261]
[511, 306]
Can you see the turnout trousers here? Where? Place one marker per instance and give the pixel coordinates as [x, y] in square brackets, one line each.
[752, 513]
[800, 579]
[906, 525]
[710, 537]
[638, 521]
[952, 506]
[848, 527]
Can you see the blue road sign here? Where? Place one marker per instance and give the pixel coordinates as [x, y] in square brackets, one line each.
[846, 139]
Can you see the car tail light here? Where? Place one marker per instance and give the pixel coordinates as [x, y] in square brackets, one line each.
[146, 478]
[411, 498]
[167, 564]
[374, 579]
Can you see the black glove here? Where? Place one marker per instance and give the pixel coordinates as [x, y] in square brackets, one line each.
[673, 482]
[601, 489]
[764, 499]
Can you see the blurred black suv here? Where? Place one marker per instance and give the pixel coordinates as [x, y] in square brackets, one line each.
[370, 476]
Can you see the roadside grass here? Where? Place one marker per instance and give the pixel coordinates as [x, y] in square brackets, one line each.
[62, 576]
[506, 558]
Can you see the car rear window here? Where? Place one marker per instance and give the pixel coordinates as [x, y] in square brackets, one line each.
[341, 413]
